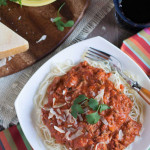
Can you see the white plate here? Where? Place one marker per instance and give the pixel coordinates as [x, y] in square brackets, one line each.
[24, 102]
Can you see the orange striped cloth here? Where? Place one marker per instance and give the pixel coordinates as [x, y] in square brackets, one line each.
[138, 48]
[13, 139]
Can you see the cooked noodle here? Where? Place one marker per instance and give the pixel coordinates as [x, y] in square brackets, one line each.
[61, 69]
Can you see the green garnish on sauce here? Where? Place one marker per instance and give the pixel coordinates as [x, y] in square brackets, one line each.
[59, 23]
[93, 118]
[77, 108]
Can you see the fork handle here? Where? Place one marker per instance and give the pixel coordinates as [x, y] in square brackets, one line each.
[145, 94]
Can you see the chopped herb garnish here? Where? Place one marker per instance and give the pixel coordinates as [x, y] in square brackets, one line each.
[103, 107]
[56, 19]
[93, 118]
[4, 2]
[93, 104]
[80, 99]
[59, 23]
[76, 109]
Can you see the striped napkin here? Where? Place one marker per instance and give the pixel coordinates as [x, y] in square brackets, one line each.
[13, 139]
[137, 47]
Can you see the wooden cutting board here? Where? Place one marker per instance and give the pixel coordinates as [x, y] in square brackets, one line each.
[34, 22]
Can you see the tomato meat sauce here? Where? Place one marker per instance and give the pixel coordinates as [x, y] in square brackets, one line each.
[114, 131]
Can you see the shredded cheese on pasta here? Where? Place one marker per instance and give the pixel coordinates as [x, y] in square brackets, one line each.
[61, 69]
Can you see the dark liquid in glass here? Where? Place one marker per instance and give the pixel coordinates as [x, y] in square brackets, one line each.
[137, 11]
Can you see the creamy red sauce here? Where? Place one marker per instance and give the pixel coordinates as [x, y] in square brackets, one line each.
[87, 80]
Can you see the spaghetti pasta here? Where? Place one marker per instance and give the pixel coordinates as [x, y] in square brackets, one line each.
[61, 69]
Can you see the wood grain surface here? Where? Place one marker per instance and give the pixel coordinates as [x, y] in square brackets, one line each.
[110, 29]
[34, 22]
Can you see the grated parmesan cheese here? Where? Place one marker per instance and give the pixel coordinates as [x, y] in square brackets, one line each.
[59, 122]
[58, 110]
[50, 115]
[120, 135]
[59, 105]
[80, 117]
[104, 121]
[100, 95]
[51, 92]
[52, 19]
[64, 92]
[77, 134]
[54, 99]
[42, 39]
[67, 112]
[57, 116]
[67, 135]
[67, 98]
[10, 58]
[19, 18]
[59, 130]
[74, 136]
[2, 62]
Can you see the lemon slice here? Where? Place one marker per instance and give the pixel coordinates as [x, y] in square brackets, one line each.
[35, 3]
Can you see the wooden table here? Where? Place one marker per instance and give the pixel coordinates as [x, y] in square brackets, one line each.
[110, 30]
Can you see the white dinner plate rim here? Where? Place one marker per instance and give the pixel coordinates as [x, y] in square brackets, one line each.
[50, 60]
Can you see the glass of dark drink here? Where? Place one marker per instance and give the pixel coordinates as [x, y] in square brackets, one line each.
[133, 13]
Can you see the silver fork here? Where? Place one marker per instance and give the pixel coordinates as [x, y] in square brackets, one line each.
[95, 54]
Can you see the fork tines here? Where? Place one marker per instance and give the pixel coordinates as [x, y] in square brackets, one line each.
[96, 54]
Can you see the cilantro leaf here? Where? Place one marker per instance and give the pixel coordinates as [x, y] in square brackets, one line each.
[57, 19]
[74, 114]
[60, 8]
[93, 118]
[3, 2]
[80, 99]
[59, 27]
[104, 107]
[93, 104]
[60, 24]
[75, 109]
[70, 23]
[20, 2]
[13, 0]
